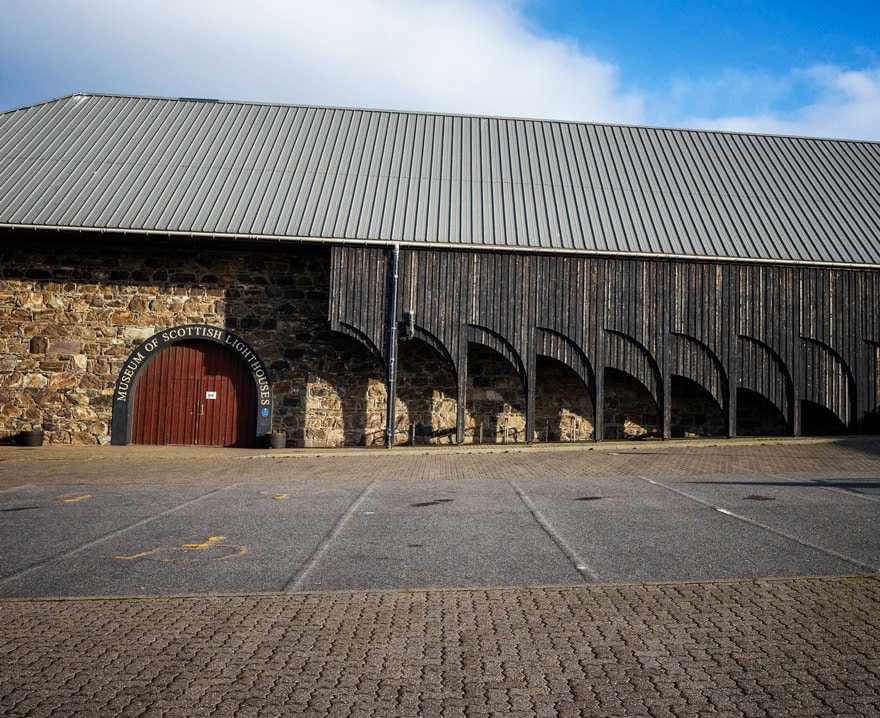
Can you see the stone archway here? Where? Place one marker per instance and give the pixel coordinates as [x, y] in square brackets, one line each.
[250, 371]
[756, 415]
[563, 405]
[427, 395]
[819, 420]
[496, 400]
[630, 410]
[195, 393]
[695, 412]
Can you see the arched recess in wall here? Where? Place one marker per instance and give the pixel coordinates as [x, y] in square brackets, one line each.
[829, 383]
[756, 415]
[698, 389]
[632, 388]
[565, 389]
[630, 411]
[212, 367]
[343, 400]
[563, 406]
[694, 360]
[352, 331]
[496, 397]
[493, 340]
[872, 413]
[360, 392]
[763, 372]
[628, 355]
[557, 346]
[438, 346]
[694, 411]
[427, 390]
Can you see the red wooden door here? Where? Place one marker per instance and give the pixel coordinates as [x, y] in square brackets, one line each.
[195, 392]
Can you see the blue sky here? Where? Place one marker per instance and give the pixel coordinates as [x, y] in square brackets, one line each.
[804, 68]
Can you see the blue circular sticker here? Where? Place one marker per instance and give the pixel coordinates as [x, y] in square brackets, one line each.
[265, 411]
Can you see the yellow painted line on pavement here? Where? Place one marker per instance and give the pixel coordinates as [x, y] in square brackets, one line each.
[185, 552]
[204, 544]
[69, 499]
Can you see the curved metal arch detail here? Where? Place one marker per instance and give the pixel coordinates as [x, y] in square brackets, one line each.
[720, 393]
[846, 414]
[434, 342]
[352, 331]
[655, 383]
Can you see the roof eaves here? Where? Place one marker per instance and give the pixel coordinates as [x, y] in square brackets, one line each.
[343, 241]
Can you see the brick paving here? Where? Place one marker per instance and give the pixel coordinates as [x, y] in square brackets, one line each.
[791, 647]
[780, 647]
[175, 464]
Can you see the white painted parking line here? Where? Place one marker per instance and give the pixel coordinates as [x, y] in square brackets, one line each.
[297, 581]
[579, 563]
[770, 529]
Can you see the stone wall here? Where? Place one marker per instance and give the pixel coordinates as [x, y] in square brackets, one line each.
[695, 412]
[563, 407]
[630, 412]
[71, 312]
[757, 416]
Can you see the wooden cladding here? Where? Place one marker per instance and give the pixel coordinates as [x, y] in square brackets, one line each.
[790, 333]
[195, 393]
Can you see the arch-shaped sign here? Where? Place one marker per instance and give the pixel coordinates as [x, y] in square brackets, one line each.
[123, 394]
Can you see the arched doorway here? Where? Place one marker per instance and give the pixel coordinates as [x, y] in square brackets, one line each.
[195, 392]
[563, 405]
[496, 399]
[818, 420]
[427, 395]
[695, 412]
[630, 410]
[756, 415]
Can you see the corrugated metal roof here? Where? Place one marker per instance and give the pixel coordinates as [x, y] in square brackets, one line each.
[259, 170]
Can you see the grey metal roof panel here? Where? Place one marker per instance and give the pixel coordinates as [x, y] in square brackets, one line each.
[257, 170]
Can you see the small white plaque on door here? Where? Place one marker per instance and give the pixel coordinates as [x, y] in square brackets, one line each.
[210, 394]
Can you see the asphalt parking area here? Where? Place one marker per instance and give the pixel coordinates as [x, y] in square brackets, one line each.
[370, 532]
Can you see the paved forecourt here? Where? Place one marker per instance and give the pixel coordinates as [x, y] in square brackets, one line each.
[647, 580]
[784, 647]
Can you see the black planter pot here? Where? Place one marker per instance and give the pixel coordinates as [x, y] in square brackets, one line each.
[277, 441]
[31, 438]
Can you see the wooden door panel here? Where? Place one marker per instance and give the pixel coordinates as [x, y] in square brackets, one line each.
[173, 404]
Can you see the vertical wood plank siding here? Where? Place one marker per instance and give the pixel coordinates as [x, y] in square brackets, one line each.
[789, 333]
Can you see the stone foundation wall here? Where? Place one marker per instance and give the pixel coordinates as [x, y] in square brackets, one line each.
[427, 396]
[756, 416]
[695, 412]
[563, 407]
[630, 412]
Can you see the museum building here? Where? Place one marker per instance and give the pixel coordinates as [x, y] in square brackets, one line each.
[186, 271]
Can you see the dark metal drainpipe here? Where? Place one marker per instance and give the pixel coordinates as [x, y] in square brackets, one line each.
[391, 374]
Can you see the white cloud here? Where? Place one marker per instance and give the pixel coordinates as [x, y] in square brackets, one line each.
[842, 104]
[464, 56]
[442, 55]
